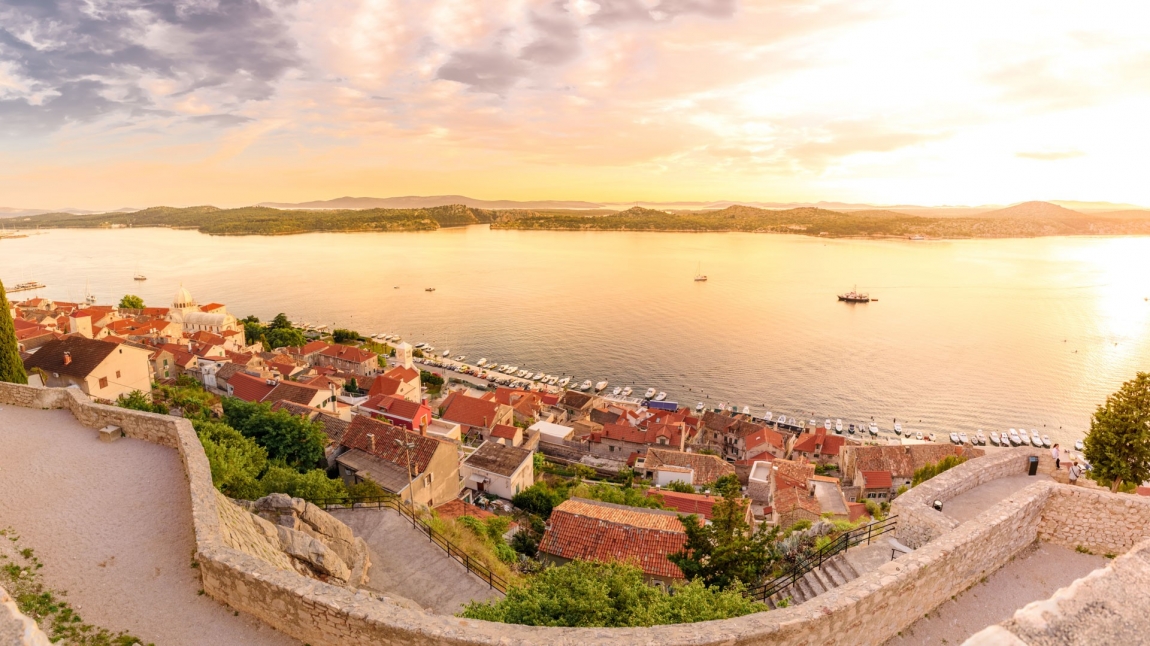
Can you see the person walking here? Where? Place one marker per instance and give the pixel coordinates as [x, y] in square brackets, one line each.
[1054, 454]
[1075, 471]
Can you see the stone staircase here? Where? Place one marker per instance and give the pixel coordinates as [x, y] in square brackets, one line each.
[834, 572]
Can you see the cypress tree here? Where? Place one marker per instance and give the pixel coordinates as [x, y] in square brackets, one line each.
[1118, 445]
[11, 367]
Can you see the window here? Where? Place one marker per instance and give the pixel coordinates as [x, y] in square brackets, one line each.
[117, 374]
[165, 363]
[103, 382]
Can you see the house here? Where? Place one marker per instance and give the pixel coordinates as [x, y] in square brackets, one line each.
[303, 395]
[476, 416]
[375, 450]
[402, 380]
[101, 369]
[794, 504]
[414, 416]
[576, 404]
[249, 388]
[819, 446]
[698, 469]
[525, 405]
[552, 433]
[498, 469]
[508, 435]
[900, 460]
[874, 485]
[591, 530]
[617, 440]
[701, 505]
[346, 358]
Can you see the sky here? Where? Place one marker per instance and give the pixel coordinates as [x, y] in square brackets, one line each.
[132, 103]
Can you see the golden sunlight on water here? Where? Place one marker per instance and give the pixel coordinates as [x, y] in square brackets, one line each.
[966, 334]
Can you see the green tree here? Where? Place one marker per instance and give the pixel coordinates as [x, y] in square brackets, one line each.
[1118, 445]
[281, 337]
[236, 461]
[540, 498]
[292, 440]
[11, 366]
[680, 486]
[137, 400]
[340, 335]
[630, 496]
[131, 302]
[607, 595]
[726, 551]
[309, 485]
[280, 322]
[253, 331]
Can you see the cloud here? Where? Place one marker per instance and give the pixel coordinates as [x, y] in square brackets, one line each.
[81, 61]
[557, 37]
[1051, 156]
[492, 70]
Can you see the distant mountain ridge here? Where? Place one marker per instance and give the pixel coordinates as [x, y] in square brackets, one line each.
[430, 201]
[1033, 210]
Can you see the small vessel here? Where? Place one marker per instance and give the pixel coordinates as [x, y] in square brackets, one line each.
[699, 407]
[429, 289]
[139, 277]
[918, 435]
[460, 357]
[981, 438]
[699, 276]
[649, 394]
[839, 426]
[962, 438]
[851, 429]
[932, 437]
[1046, 441]
[854, 296]
[538, 376]
[661, 396]
[425, 349]
[586, 385]
[447, 353]
[767, 417]
[23, 287]
[482, 362]
[897, 428]
[1079, 445]
[600, 386]
[552, 381]
[564, 381]
[874, 430]
[627, 391]
[618, 390]
[954, 438]
[746, 410]
[1015, 439]
[994, 438]
[1036, 441]
[827, 423]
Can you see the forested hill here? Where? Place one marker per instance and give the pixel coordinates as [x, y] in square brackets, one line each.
[260, 220]
[814, 222]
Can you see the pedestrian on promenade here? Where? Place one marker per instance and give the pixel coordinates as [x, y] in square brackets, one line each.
[1054, 454]
[1075, 471]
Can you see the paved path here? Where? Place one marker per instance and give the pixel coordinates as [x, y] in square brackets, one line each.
[112, 524]
[405, 563]
[970, 504]
[1033, 575]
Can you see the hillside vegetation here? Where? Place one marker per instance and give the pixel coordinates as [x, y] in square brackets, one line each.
[814, 221]
[261, 220]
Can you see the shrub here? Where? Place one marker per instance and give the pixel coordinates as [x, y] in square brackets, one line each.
[680, 486]
[137, 400]
[931, 470]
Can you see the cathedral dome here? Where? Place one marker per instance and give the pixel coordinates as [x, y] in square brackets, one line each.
[183, 299]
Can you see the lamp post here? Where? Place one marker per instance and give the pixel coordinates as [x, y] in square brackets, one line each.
[408, 446]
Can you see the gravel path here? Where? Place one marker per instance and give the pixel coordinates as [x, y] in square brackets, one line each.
[112, 525]
[1034, 574]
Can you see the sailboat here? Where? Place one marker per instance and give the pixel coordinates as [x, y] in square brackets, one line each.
[138, 275]
[699, 276]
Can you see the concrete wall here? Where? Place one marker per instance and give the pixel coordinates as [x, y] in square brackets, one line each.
[868, 610]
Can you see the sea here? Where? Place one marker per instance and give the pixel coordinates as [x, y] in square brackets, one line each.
[962, 335]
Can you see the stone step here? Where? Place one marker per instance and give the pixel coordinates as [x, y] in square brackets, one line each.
[831, 572]
[815, 584]
[825, 580]
[848, 571]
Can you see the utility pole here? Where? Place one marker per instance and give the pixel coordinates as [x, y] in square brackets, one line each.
[408, 446]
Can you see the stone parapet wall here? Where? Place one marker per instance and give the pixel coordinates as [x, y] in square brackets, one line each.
[17, 629]
[918, 521]
[869, 610]
[1095, 519]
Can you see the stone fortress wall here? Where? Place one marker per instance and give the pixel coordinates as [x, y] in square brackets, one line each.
[868, 610]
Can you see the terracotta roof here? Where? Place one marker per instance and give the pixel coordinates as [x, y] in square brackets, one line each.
[787, 500]
[86, 355]
[903, 461]
[826, 443]
[604, 417]
[293, 392]
[385, 442]
[790, 474]
[597, 531]
[348, 353]
[498, 458]
[718, 421]
[575, 399]
[400, 407]
[688, 503]
[384, 386]
[877, 479]
[470, 410]
[249, 388]
[504, 431]
[764, 436]
[857, 510]
[708, 468]
[400, 373]
[311, 347]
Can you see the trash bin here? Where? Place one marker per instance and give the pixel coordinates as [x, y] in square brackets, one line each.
[1033, 470]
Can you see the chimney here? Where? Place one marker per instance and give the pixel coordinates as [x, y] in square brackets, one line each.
[332, 387]
[371, 441]
[67, 358]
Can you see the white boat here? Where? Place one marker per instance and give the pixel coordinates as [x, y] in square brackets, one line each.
[827, 423]
[962, 439]
[700, 277]
[661, 396]
[420, 346]
[838, 426]
[564, 381]
[994, 438]
[981, 439]
[512, 370]
[426, 348]
[600, 386]
[1046, 441]
[538, 376]
[1079, 446]
[767, 416]
[649, 394]
[1036, 440]
[627, 391]
[932, 437]
[1015, 439]
[897, 428]
[746, 410]
[618, 390]
[874, 429]
[851, 429]
[699, 407]
[481, 362]
[586, 385]
[954, 438]
[523, 374]
[918, 435]
[461, 357]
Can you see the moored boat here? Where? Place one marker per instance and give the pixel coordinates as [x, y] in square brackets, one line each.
[874, 430]
[839, 426]
[1046, 441]
[627, 391]
[954, 438]
[994, 438]
[600, 386]
[1079, 446]
[661, 396]
[699, 407]
[586, 385]
[649, 394]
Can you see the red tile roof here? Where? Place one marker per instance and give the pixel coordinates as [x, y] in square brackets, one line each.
[400, 407]
[707, 468]
[764, 436]
[400, 373]
[790, 474]
[877, 479]
[857, 510]
[671, 434]
[787, 500]
[825, 443]
[686, 503]
[348, 353]
[249, 388]
[471, 411]
[596, 531]
[384, 386]
[504, 431]
[386, 447]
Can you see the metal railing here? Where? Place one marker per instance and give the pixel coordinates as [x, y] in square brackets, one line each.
[802, 565]
[473, 565]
